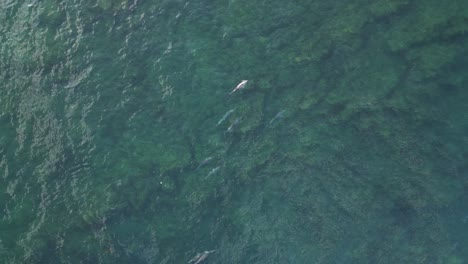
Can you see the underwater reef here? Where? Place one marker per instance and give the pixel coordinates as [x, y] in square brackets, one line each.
[347, 144]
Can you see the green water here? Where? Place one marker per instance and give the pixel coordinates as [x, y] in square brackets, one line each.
[121, 143]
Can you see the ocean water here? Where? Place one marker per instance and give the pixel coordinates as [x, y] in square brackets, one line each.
[121, 142]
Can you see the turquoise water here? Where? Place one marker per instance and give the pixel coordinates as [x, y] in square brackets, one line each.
[121, 143]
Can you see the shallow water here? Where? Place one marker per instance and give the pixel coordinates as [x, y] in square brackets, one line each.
[121, 143]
